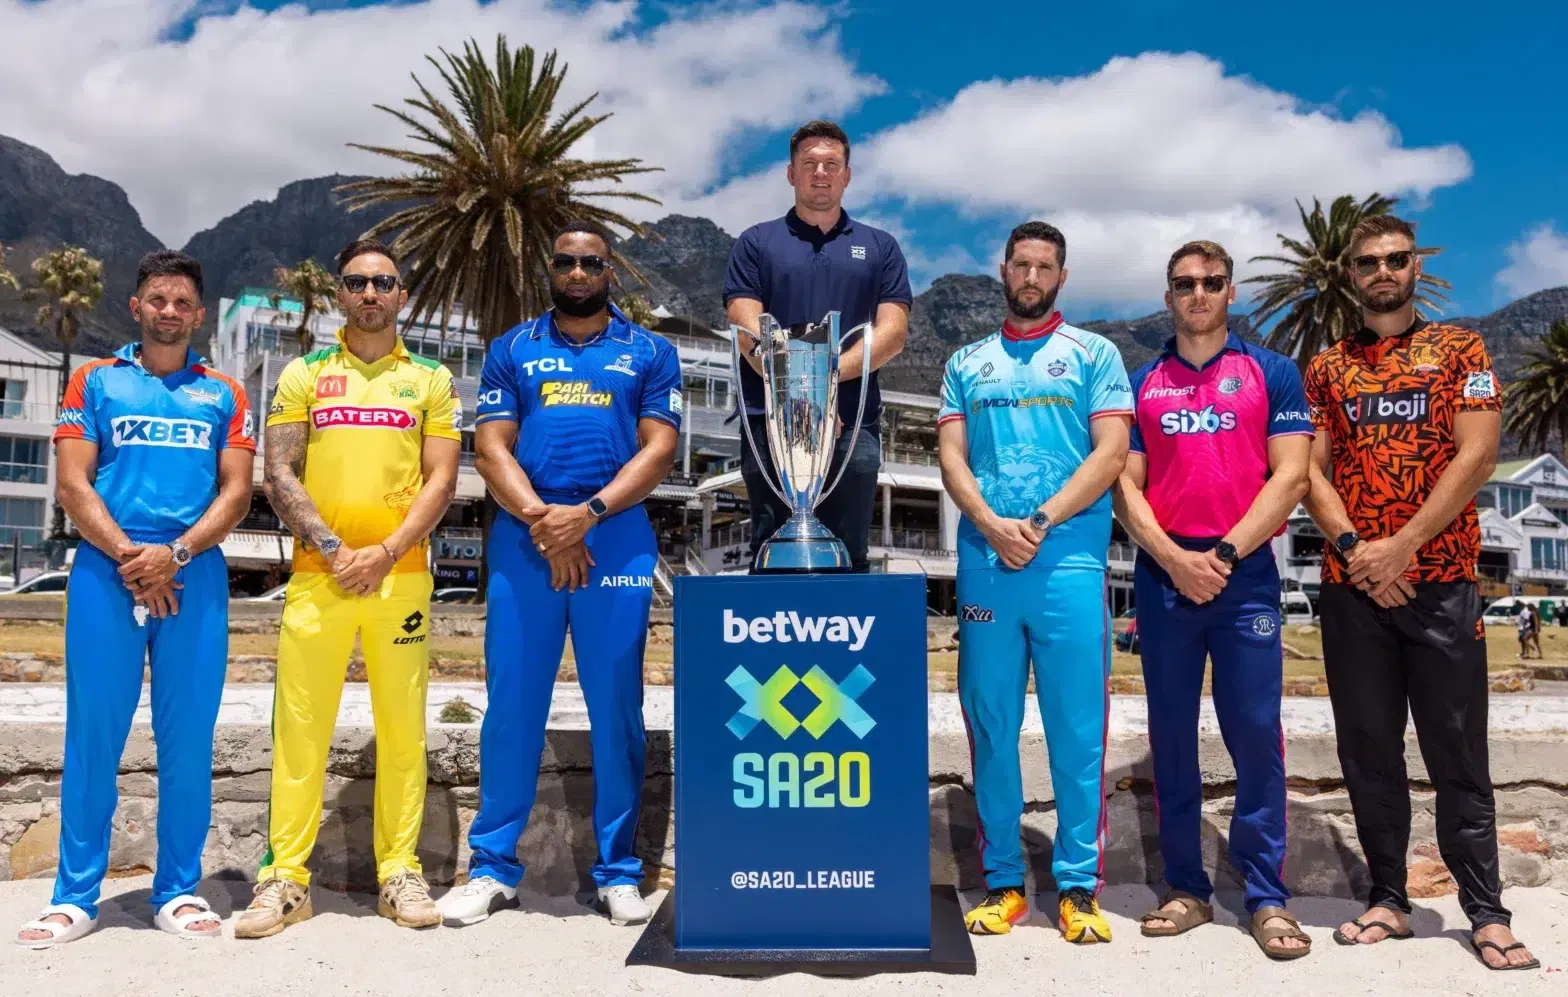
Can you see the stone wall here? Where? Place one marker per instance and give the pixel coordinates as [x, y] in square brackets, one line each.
[1531, 772]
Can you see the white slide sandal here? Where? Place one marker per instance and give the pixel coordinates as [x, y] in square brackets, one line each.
[59, 934]
[179, 924]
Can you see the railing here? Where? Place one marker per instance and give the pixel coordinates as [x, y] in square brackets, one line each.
[729, 536]
[907, 455]
[663, 583]
[694, 565]
[697, 342]
[1121, 552]
[465, 459]
[460, 533]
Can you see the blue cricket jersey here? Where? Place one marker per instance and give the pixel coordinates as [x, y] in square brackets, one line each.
[1027, 400]
[577, 406]
[158, 438]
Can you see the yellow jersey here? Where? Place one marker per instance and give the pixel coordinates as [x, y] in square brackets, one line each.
[368, 423]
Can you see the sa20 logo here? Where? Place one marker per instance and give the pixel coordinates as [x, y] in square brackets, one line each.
[842, 780]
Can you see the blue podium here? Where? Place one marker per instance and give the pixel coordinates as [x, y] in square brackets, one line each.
[802, 816]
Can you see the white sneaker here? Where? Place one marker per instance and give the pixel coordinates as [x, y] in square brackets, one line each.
[476, 900]
[625, 904]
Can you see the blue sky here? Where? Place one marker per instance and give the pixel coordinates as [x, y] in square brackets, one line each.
[1133, 125]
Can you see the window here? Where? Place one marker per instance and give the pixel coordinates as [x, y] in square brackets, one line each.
[24, 460]
[12, 395]
[24, 516]
[1549, 554]
[1512, 499]
[1562, 553]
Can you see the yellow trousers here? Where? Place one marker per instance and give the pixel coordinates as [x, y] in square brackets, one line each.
[319, 625]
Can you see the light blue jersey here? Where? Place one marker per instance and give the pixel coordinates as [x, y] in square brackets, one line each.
[1027, 400]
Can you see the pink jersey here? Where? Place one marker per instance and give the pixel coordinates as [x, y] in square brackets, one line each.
[1205, 432]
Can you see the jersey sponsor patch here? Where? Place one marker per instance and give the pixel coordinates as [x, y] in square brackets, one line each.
[199, 394]
[1036, 401]
[1480, 385]
[677, 403]
[157, 431]
[579, 393]
[248, 427]
[331, 386]
[622, 365]
[72, 417]
[1185, 421]
[1391, 408]
[371, 416]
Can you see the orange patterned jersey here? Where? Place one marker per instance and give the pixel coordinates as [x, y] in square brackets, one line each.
[1388, 408]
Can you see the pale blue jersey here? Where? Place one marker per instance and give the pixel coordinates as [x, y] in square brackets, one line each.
[1027, 400]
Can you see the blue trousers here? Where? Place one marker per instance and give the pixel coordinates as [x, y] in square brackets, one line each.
[106, 649]
[1239, 632]
[525, 633]
[1054, 619]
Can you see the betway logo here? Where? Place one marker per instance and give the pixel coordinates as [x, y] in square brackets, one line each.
[786, 627]
[362, 415]
[1188, 421]
[155, 431]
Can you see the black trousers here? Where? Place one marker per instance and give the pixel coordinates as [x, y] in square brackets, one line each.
[1427, 660]
[847, 509]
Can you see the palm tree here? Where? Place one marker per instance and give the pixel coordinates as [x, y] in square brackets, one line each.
[310, 284]
[1316, 285]
[71, 282]
[493, 180]
[637, 308]
[491, 186]
[1537, 403]
[7, 278]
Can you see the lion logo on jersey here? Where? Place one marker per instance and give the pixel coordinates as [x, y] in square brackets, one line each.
[1020, 476]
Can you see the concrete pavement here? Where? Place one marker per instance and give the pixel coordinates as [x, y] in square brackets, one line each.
[558, 947]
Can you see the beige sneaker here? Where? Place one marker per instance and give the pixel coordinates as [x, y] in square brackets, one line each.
[279, 903]
[405, 898]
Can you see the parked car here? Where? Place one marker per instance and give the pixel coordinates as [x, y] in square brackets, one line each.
[457, 594]
[48, 583]
[1296, 607]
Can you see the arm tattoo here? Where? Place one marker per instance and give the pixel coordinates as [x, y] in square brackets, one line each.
[285, 469]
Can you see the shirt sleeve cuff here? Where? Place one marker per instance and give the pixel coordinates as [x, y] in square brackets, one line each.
[949, 417]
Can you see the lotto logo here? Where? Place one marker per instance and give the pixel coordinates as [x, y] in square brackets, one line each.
[155, 431]
[1185, 421]
[374, 417]
[331, 386]
[573, 393]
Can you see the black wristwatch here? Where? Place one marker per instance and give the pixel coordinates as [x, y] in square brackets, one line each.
[1226, 551]
[1346, 542]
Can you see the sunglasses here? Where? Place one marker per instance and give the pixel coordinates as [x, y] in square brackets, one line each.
[355, 283]
[1214, 284]
[1366, 266]
[564, 263]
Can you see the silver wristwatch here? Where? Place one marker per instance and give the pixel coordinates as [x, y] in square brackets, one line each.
[182, 553]
[1040, 521]
[329, 546]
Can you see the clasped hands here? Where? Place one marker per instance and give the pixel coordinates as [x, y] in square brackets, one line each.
[1377, 567]
[148, 570]
[361, 570]
[1016, 541]
[557, 532]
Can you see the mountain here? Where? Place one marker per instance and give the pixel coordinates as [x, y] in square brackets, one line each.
[1512, 330]
[43, 208]
[683, 265]
[306, 220]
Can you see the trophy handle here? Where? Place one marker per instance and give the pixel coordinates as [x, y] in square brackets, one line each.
[745, 421]
[864, 329]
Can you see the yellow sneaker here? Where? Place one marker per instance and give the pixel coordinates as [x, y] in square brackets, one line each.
[998, 912]
[1081, 920]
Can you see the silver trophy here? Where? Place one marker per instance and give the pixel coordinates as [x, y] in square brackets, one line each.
[800, 376]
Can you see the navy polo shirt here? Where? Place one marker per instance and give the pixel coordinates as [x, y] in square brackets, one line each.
[800, 273]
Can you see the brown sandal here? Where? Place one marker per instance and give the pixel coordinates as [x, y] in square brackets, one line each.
[1193, 913]
[1265, 935]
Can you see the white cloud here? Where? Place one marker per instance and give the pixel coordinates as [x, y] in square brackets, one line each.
[1535, 262]
[1134, 159]
[197, 128]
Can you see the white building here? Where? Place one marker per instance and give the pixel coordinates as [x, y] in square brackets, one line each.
[29, 392]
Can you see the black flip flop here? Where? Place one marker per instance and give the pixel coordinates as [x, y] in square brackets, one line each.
[1344, 939]
[1534, 963]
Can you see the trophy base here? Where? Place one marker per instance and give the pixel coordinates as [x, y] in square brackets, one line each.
[802, 546]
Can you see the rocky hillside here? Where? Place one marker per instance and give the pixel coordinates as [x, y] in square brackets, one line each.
[42, 208]
[306, 220]
[683, 263]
